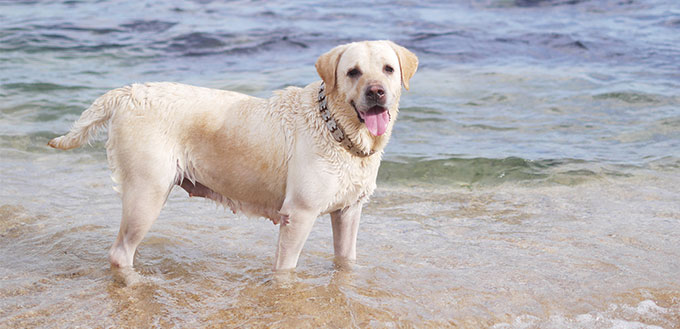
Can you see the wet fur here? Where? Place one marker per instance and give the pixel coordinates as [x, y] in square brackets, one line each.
[272, 157]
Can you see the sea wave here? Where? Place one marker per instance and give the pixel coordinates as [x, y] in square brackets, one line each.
[462, 172]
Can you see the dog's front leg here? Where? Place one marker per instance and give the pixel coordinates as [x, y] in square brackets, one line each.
[292, 236]
[345, 228]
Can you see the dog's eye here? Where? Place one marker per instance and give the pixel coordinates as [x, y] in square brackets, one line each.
[353, 73]
[388, 69]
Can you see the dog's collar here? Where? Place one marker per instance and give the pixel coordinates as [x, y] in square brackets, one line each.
[336, 130]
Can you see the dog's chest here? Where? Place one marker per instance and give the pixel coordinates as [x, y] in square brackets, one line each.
[356, 181]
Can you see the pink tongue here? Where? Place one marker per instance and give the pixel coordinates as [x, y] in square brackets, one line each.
[376, 120]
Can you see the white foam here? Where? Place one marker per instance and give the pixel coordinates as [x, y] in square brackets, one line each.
[650, 307]
[616, 317]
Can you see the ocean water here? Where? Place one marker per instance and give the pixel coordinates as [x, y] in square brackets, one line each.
[531, 181]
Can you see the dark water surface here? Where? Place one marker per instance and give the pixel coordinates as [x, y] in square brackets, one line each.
[531, 181]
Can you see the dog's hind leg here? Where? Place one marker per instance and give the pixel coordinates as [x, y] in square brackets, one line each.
[144, 193]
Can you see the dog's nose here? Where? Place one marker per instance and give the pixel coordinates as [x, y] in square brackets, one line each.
[375, 93]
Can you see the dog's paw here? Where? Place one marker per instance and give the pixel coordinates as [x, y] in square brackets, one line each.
[126, 276]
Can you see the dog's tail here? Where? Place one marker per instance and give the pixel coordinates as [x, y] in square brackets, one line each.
[94, 118]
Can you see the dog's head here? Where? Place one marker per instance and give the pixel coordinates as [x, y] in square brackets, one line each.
[369, 76]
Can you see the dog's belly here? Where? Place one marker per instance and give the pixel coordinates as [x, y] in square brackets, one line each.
[199, 190]
[262, 206]
[259, 193]
[236, 159]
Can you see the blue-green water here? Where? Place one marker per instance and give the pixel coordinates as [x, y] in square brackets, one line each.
[531, 180]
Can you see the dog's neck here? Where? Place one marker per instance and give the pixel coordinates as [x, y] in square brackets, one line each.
[336, 129]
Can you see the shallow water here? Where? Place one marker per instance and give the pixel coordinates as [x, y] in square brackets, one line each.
[531, 182]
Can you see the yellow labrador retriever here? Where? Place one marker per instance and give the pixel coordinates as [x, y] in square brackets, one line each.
[300, 154]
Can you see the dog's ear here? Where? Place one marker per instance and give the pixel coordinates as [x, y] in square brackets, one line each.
[327, 66]
[408, 63]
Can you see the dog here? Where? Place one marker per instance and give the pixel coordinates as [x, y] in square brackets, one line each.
[300, 154]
